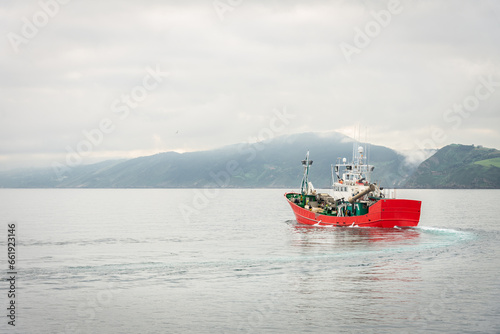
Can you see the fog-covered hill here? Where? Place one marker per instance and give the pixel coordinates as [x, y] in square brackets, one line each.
[459, 166]
[272, 163]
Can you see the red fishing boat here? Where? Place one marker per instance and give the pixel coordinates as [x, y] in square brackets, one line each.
[354, 201]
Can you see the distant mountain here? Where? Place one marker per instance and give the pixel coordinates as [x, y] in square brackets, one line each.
[272, 163]
[459, 166]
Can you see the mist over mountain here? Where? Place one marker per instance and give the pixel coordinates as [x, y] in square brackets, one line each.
[459, 166]
[272, 163]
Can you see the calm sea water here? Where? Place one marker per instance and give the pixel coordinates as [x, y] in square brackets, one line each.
[181, 261]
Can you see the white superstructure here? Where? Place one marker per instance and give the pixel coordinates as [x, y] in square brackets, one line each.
[349, 179]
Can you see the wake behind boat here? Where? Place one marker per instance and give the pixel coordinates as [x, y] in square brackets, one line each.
[353, 201]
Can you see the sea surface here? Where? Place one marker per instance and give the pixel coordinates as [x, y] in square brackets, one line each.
[235, 261]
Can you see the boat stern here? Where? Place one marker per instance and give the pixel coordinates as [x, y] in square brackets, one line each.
[395, 212]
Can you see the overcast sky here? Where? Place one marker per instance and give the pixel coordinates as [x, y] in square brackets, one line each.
[413, 74]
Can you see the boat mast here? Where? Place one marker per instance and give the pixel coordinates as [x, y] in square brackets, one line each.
[333, 178]
[304, 187]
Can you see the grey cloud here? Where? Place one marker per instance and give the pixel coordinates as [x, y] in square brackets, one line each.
[227, 76]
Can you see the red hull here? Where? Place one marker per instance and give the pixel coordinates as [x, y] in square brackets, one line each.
[386, 213]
